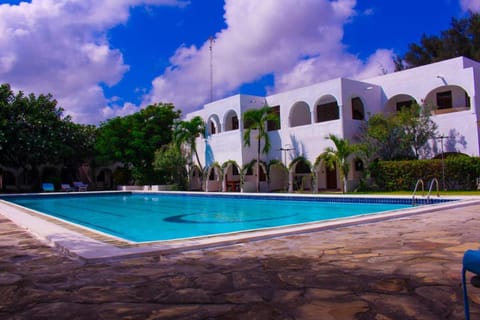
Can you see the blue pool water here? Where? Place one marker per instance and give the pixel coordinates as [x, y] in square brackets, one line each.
[142, 217]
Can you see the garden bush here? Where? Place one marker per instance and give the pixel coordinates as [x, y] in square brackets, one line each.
[461, 173]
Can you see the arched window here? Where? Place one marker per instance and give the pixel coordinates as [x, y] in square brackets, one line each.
[231, 121]
[213, 129]
[302, 167]
[235, 171]
[300, 114]
[358, 111]
[450, 98]
[398, 102]
[327, 109]
[212, 176]
[213, 125]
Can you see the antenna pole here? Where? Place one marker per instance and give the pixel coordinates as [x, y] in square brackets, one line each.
[212, 40]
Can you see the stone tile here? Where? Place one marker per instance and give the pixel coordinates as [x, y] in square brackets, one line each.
[395, 269]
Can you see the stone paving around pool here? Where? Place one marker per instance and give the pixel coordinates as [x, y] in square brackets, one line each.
[408, 268]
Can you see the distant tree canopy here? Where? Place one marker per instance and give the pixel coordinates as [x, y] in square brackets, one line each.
[33, 131]
[462, 39]
[133, 139]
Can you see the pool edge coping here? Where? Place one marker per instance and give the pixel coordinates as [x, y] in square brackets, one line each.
[78, 245]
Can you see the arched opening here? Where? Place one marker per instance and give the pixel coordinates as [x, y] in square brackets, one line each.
[195, 179]
[213, 125]
[231, 121]
[326, 109]
[250, 177]
[300, 114]
[278, 177]
[326, 178]
[446, 99]
[357, 168]
[358, 109]
[214, 182]
[399, 101]
[302, 176]
[232, 177]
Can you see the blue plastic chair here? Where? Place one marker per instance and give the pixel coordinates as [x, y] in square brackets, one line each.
[48, 187]
[471, 263]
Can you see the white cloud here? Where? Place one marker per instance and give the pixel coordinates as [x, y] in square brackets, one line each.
[60, 47]
[381, 62]
[473, 5]
[299, 42]
[119, 111]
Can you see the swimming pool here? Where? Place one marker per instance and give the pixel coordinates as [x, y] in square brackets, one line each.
[146, 217]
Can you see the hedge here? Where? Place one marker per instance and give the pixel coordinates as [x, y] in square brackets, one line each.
[461, 173]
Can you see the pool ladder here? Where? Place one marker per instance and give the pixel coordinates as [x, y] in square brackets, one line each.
[420, 183]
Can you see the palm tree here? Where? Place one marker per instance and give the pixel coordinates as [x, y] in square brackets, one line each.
[256, 119]
[338, 156]
[187, 132]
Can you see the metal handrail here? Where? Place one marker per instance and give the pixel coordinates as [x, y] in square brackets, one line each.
[419, 182]
[430, 189]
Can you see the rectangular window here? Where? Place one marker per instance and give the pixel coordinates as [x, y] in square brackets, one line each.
[274, 125]
[444, 100]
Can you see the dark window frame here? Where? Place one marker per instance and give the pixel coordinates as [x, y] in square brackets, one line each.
[273, 125]
[404, 104]
[235, 124]
[445, 99]
[358, 109]
[328, 111]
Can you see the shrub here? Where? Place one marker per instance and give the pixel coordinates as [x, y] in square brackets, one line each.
[460, 173]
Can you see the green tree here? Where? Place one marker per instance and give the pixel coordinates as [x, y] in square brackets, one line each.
[34, 131]
[398, 136]
[76, 146]
[186, 132]
[339, 156]
[462, 39]
[379, 138]
[133, 139]
[416, 126]
[255, 121]
[171, 163]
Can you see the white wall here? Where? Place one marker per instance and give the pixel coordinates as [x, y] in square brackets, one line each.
[309, 140]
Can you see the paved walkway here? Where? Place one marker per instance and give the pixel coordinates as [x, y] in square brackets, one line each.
[399, 269]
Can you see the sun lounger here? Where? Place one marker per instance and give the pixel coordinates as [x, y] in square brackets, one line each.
[48, 187]
[80, 186]
[67, 187]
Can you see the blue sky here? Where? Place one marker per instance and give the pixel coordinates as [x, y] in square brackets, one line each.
[106, 58]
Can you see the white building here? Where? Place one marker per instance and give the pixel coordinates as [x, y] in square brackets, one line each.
[338, 106]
